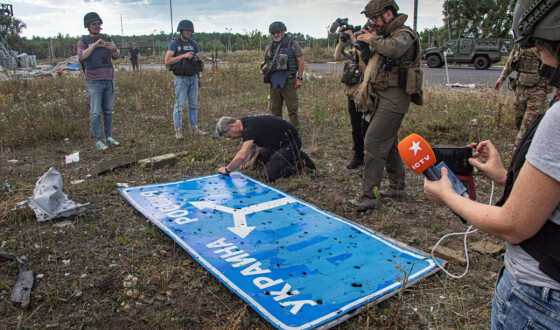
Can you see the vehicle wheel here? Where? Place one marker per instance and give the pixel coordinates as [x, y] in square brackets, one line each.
[481, 63]
[434, 61]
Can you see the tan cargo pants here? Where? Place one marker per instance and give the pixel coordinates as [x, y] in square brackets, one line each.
[289, 95]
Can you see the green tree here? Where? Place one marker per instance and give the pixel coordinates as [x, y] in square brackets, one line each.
[491, 18]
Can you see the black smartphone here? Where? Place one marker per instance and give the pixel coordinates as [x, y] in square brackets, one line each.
[456, 158]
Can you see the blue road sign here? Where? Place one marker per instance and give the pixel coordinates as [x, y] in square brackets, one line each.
[296, 265]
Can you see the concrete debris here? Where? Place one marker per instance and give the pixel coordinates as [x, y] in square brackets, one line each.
[450, 255]
[155, 163]
[48, 201]
[486, 247]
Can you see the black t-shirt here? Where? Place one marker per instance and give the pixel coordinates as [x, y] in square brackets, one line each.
[134, 54]
[271, 132]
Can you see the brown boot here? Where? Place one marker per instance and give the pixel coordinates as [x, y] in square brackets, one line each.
[363, 203]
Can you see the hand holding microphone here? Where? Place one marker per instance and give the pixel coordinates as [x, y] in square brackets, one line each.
[420, 158]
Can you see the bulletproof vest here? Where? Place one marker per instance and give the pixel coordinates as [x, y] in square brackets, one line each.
[100, 57]
[528, 65]
[285, 59]
[402, 72]
[544, 246]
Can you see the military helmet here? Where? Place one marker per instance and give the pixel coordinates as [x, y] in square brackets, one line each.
[375, 7]
[536, 19]
[185, 25]
[90, 17]
[277, 27]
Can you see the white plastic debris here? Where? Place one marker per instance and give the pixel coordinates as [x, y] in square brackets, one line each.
[123, 185]
[66, 261]
[73, 158]
[457, 85]
[77, 181]
[40, 275]
[48, 201]
[13, 161]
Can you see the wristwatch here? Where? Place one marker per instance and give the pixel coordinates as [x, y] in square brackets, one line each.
[300, 78]
[227, 171]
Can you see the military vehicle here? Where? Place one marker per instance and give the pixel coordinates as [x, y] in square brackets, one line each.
[481, 52]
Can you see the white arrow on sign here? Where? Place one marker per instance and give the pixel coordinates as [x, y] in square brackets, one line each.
[239, 221]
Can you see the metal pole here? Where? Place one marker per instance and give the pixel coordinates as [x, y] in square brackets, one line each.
[122, 34]
[415, 14]
[171, 15]
[448, 27]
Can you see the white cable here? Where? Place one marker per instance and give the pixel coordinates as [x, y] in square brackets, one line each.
[466, 233]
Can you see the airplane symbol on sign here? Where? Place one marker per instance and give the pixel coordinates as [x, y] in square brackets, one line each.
[240, 227]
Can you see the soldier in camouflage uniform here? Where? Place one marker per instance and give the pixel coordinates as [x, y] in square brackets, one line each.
[530, 88]
[392, 80]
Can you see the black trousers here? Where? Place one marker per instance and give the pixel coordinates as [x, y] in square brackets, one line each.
[283, 162]
[359, 128]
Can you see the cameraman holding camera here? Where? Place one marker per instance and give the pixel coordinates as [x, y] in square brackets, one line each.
[352, 77]
[283, 70]
[181, 57]
[392, 80]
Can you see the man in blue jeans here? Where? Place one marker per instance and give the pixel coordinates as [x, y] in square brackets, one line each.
[95, 51]
[180, 57]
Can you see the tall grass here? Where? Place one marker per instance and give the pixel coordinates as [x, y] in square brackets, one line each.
[51, 109]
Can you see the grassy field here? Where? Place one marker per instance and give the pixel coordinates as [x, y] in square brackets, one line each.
[85, 263]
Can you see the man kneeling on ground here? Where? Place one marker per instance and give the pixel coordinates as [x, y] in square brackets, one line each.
[280, 142]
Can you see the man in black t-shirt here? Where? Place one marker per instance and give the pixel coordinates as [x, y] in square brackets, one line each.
[280, 142]
[134, 54]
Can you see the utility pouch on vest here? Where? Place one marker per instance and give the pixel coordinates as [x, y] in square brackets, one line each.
[527, 79]
[352, 75]
[282, 62]
[402, 72]
[183, 68]
[415, 77]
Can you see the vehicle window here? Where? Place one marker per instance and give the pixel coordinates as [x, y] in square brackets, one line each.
[466, 42]
[451, 43]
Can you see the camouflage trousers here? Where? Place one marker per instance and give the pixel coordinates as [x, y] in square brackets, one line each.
[529, 103]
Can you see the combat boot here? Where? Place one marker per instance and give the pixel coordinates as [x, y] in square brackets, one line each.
[356, 162]
[362, 204]
[394, 193]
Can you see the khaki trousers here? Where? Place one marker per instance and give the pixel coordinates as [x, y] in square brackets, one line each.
[289, 95]
[381, 151]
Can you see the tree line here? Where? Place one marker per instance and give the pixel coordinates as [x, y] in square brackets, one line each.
[492, 18]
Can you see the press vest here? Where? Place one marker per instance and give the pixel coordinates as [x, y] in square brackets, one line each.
[100, 57]
[285, 51]
[544, 246]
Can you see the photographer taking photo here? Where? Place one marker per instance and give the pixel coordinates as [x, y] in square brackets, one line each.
[352, 77]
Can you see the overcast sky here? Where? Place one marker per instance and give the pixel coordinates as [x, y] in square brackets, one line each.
[311, 17]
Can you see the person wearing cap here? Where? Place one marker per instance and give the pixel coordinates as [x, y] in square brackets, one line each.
[283, 70]
[527, 217]
[95, 52]
[279, 141]
[180, 57]
[393, 78]
[134, 54]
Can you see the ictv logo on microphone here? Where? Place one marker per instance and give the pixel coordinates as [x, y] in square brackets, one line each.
[416, 153]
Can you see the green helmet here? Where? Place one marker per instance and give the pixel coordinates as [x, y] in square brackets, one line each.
[375, 7]
[536, 19]
[90, 17]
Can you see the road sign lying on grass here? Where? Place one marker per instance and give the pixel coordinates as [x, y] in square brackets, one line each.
[296, 265]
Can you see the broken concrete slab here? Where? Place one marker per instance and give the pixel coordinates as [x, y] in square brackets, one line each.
[450, 254]
[155, 163]
[122, 161]
[486, 247]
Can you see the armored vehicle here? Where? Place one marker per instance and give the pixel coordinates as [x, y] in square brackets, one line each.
[481, 52]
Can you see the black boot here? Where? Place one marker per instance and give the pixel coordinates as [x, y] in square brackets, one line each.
[356, 162]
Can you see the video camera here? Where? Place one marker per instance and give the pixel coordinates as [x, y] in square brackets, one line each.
[341, 24]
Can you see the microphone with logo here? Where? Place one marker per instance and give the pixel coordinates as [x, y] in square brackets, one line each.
[417, 154]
